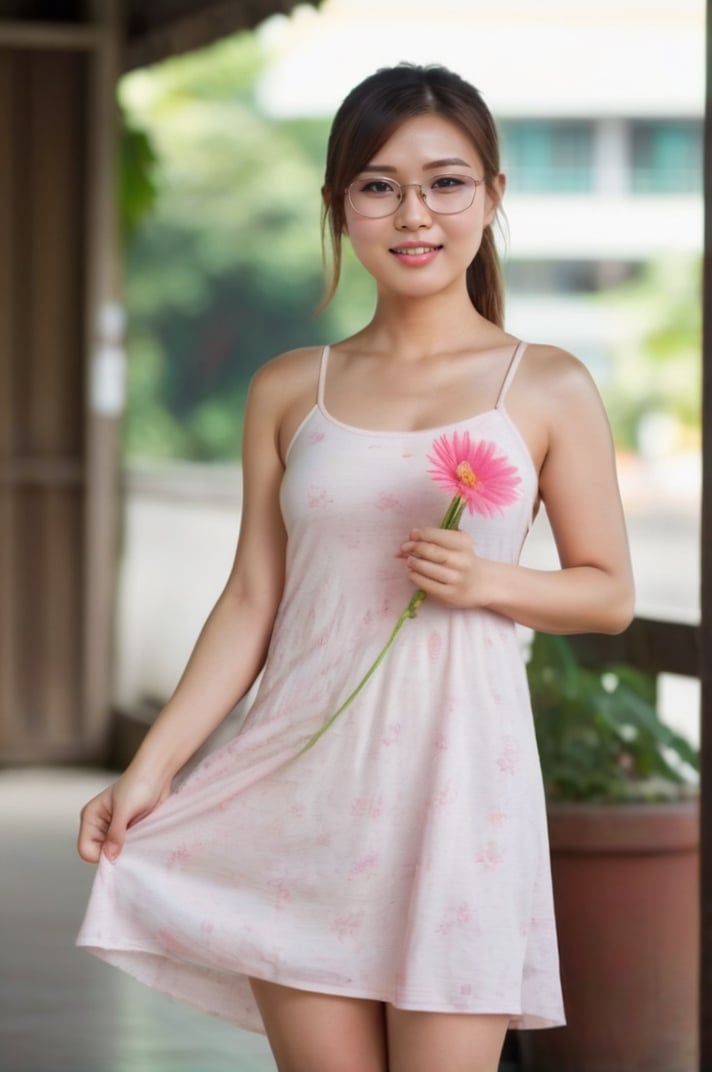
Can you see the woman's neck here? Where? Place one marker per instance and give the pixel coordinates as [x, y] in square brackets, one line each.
[417, 325]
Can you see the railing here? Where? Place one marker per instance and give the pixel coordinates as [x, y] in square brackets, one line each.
[654, 646]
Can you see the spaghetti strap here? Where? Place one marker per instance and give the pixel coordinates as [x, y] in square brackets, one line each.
[322, 376]
[511, 373]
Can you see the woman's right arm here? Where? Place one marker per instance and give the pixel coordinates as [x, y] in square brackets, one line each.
[231, 648]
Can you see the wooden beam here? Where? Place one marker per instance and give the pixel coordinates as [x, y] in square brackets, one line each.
[706, 574]
[655, 646]
[48, 35]
[209, 23]
[152, 37]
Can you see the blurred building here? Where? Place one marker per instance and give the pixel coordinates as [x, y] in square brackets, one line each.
[601, 108]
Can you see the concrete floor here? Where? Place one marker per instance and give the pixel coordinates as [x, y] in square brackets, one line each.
[61, 1010]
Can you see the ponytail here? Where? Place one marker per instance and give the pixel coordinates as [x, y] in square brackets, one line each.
[485, 285]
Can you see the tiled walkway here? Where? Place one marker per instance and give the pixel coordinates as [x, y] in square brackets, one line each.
[61, 1010]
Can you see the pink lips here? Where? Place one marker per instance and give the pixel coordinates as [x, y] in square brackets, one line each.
[415, 254]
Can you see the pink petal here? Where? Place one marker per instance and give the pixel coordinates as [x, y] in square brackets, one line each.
[497, 480]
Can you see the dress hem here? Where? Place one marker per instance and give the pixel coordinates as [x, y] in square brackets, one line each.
[114, 955]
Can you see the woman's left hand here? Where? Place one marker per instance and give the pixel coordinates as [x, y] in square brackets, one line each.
[443, 563]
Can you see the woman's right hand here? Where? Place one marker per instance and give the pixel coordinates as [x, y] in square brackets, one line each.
[107, 816]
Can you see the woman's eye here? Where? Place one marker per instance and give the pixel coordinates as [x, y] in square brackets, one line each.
[377, 186]
[447, 182]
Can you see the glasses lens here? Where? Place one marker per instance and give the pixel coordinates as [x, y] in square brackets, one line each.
[374, 197]
[447, 194]
[444, 194]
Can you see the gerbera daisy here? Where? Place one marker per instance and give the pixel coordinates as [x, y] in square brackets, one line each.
[474, 472]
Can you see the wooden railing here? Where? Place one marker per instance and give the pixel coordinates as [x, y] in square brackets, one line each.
[657, 647]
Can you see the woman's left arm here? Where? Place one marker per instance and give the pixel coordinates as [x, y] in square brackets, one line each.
[593, 590]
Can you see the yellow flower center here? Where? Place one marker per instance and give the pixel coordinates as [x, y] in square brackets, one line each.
[465, 474]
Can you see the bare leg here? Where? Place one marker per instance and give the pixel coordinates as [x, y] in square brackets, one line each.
[444, 1042]
[311, 1032]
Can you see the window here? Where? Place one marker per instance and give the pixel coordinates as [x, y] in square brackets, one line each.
[667, 156]
[548, 156]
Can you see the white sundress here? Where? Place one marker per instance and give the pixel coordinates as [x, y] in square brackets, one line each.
[403, 858]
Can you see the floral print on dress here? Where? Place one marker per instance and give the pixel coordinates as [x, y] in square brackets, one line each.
[318, 497]
[440, 743]
[347, 925]
[496, 818]
[508, 760]
[392, 734]
[489, 857]
[366, 865]
[368, 807]
[457, 916]
[387, 501]
[444, 796]
[435, 645]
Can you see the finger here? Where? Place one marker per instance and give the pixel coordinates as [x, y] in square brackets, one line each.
[451, 538]
[422, 570]
[432, 552]
[92, 833]
[115, 835]
[89, 847]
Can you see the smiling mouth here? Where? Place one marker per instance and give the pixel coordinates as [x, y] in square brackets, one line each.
[413, 251]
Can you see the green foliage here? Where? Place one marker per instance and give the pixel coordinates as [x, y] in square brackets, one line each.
[227, 270]
[599, 733]
[661, 371]
[137, 182]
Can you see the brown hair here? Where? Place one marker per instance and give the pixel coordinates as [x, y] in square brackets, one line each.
[369, 116]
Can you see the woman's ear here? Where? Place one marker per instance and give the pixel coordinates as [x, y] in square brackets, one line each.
[495, 193]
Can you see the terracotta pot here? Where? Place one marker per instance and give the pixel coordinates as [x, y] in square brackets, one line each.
[627, 907]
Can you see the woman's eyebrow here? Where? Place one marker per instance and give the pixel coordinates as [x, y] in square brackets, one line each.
[386, 169]
[448, 162]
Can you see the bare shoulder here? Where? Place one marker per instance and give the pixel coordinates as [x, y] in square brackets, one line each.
[557, 381]
[288, 372]
[553, 398]
[287, 380]
[553, 370]
[283, 391]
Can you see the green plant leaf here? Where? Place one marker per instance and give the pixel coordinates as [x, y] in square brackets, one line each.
[599, 733]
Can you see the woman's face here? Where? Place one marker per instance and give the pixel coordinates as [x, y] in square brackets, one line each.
[417, 251]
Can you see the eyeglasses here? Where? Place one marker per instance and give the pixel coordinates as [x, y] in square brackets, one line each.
[444, 194]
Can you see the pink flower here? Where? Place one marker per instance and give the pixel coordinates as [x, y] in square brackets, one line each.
[475, 473]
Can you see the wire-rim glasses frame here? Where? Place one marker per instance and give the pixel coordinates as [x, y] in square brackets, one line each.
[455, 194]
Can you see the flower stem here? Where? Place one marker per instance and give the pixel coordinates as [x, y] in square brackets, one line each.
[453, 514]
[409, 612]
[451, 520]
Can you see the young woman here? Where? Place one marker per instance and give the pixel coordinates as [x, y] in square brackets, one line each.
[377, 896]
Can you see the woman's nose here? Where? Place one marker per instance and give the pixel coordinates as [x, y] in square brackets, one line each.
[412, 211]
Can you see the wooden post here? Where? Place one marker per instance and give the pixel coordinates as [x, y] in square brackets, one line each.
[106, 376]
[43, 145]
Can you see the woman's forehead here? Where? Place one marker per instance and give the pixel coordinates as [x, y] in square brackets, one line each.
[427, 140]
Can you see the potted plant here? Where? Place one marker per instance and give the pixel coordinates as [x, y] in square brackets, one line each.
[624, 834]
